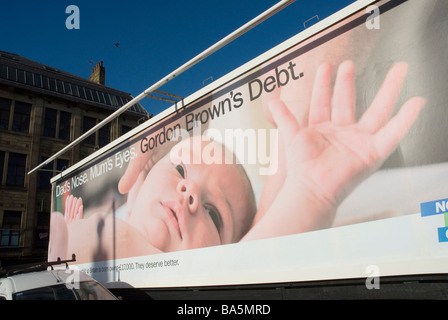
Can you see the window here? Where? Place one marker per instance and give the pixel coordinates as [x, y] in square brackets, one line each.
[56, 292]
[59, 86]
[101, 96]
[114, 100]
[12, 74]
[87, 124]
[52, 83]
[45, 175]
[107, 98]
[16, 170]
[42, 229]
[125, 129]
[29, 78]
[38, 80]
[10, 230]
[50, 119]
[2, 165]
[45, 83]
[89, 94]
[20, 76]
[82, 92]
[68, 88]
[65, 119]
[3, 71]
[99, 138]
[21, 120]
[5, 109]
[57, 124]
[50, 170]
[95, 96]
[75, 90]
[104, 135]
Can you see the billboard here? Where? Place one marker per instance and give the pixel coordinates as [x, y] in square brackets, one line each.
[324, 158]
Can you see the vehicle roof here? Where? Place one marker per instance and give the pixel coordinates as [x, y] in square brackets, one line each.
[31, 280]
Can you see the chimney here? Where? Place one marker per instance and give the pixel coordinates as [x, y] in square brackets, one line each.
[98, 74]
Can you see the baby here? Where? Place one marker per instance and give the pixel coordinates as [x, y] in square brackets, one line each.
[181, 204]
[321, 160]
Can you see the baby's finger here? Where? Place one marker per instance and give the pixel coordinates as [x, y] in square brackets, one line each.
[344, 98]
[79, 214]
[68, 204]
[132, 171]
[78, 208]
[286, 123]
[388, 138]
[321, 96]
[266, 98]
[73, 207]
[383, 104]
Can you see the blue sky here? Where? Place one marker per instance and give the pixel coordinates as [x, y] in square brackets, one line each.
[155, 37]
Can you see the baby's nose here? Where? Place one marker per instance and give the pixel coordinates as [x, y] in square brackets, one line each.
[189, 192]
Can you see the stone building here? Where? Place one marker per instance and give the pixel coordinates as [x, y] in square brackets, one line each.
[42, 109]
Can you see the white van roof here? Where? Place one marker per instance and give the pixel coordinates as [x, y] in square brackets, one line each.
[32, 280]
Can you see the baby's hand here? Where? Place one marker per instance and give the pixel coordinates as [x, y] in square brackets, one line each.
[57, 246]
[331, 155]
[136, 165]
[73, 208]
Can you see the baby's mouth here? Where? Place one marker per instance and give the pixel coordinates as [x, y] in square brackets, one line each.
[174, 214]
[173, 211]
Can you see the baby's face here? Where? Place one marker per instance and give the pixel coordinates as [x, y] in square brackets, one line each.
[183, 205]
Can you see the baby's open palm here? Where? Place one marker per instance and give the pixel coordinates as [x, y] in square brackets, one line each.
[334, 152]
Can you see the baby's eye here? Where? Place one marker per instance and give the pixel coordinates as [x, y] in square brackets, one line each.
[181, 170]
[216, 218]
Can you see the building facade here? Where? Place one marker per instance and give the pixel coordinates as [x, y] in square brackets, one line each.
[42, 109]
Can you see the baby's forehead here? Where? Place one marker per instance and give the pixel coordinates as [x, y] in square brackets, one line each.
[203, 151]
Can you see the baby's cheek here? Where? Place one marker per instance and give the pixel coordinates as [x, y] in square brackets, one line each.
[205, 235]
[158, 235]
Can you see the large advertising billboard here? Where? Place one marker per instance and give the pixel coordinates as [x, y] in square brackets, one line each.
[321, 159]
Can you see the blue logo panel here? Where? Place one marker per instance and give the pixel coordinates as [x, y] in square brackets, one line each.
[443, 234]
[437, 207]
[434, 207]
